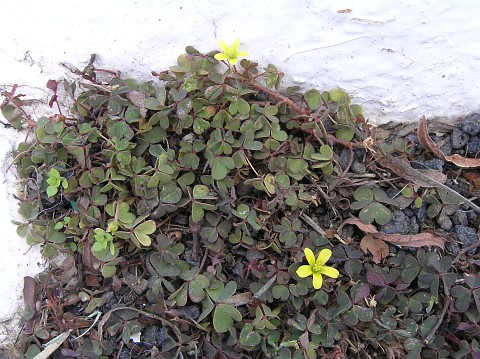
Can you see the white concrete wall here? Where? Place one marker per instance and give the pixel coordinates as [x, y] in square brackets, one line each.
[399, 59]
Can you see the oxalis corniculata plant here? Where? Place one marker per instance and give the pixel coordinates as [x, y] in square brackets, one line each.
[196, 219]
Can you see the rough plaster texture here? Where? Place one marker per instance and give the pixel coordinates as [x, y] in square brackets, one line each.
[399, 59]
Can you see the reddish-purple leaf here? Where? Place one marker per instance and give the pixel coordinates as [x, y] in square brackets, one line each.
[362, 293]
[52, 85]
[375, 279]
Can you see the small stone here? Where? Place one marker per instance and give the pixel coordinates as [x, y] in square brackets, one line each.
[467, 236]
[162, 336]
[471, 124]
[358, 167]
[459, 139]
[421, 213]
[401, 224]
[435, 164]
[447, 148]
[262, 96]
[444, 222]
[472, 216]
[150, 334]
[360, 153]
[191, 311]
[344, 158]
[460, 218]
[408, 212]
[473, 147]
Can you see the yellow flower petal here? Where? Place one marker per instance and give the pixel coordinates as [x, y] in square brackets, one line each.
[221, 56]
[304, 271]
[329, 272]
[223, 45]
[310, 256]
[323, 256]
[235, 45]
[233, 61]
[317, 280]
[242, 54]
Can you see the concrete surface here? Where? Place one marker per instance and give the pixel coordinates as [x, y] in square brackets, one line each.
[399, 59]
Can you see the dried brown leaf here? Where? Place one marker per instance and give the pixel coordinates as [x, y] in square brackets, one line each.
[463, 162]
[473, 178]
[29, 292]
[434, 174]
[411, 174]
[377, 247]
[414, 240]
[426, 141]
[367, 228]
[429, 144]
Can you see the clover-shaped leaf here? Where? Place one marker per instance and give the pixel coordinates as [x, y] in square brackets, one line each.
[313, 99]
[224, 317]
[368, 201]
[142, 231]
[249, 337]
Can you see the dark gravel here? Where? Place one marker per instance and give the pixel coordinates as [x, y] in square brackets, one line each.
[459, 138]
[471, 124]
[467, 236]
[460, 218]
[401, 224]
[473, 146]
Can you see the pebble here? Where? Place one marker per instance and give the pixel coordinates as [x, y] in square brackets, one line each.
[471, 124]
[420, 213]
[444, 222]
[459, 138]
[447, 148]
[150, 334]
[472, 216]
[460, 218]
[161, 337]
[190, 311]
[358, 167]
[344, 158]
[473, 146]
[401, 224]
[435, 164]
[467, 236]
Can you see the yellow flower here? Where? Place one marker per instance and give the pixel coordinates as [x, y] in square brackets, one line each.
[317, 267]
[230, 53]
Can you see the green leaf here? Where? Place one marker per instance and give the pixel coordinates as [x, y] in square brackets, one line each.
[142, 231]
[313, 99]
[200, 191]
[52, 191]
[219, 169]
[336, 95]
[196, 288]
[200, 126]
[462, 297]
[170, 194]
[375, 211]
[243, 106]
[224, 317]
[344, 133]
[197, 212]
[248, 337]
[277, 133]
[326, 154]
[108, 271]
[363, 193]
